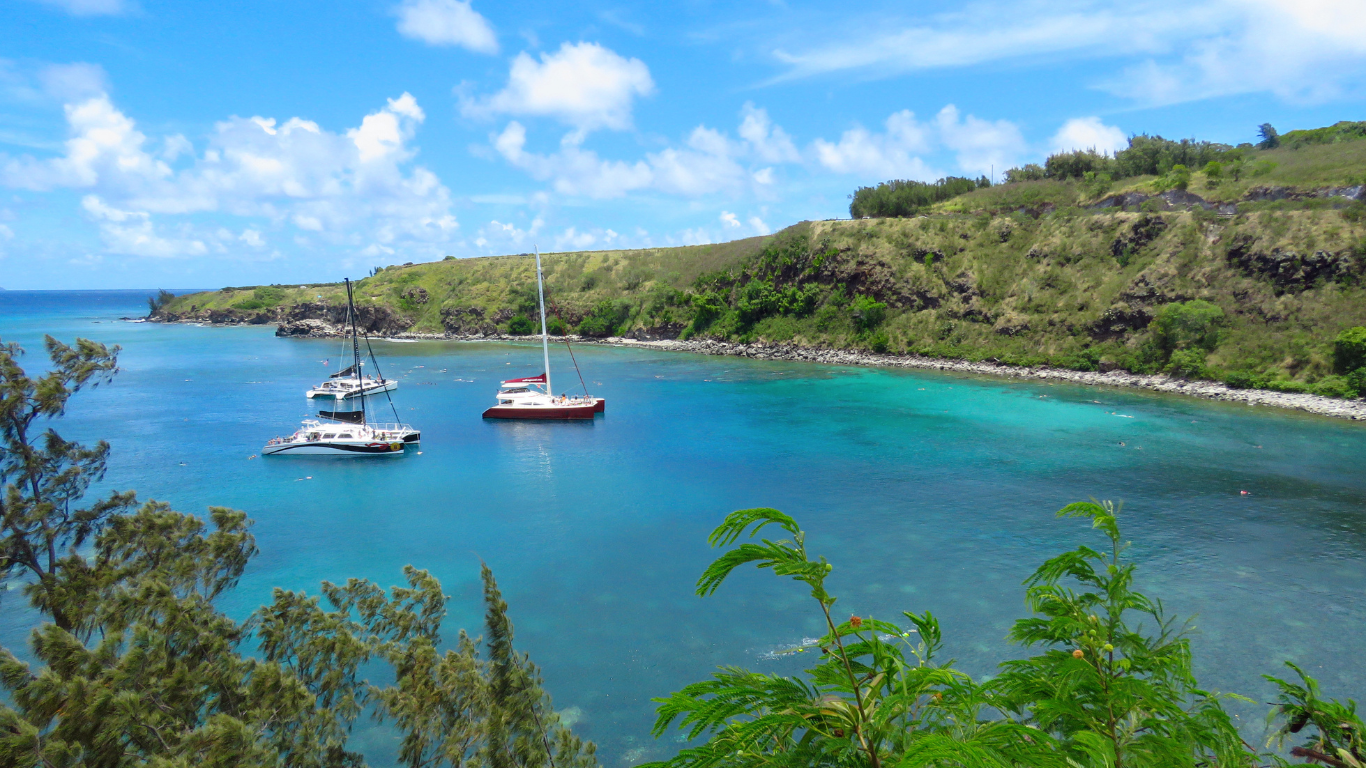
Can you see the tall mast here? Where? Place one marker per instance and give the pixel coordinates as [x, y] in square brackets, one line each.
[355, 347]
[545, 338]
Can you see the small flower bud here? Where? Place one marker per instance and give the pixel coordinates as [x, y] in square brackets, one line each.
[855, 622]
[1077, 654]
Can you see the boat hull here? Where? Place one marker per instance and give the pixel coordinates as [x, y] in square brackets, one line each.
[322, 448]
[544, 412]
[388, 386]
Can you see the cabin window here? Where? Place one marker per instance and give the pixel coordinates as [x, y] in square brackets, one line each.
[516, 391]
[328, 437]
[505, 402]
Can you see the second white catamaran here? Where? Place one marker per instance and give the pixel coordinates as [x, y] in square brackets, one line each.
[348, 433]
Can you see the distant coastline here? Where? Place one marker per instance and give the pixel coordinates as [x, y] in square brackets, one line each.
[1354, 410]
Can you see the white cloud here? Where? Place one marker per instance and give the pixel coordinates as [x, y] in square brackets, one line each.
[1300, 50]
[1088, 133]
[132, 233]
[356, 187]
[583, 85]
[573, 239]
[446, 22]
[705, 165]
[6, 233]
[90, 7]
[252, 237]
[770, 143]
[77, 80]
[979, 144]
[730, 219]
[758, 225]
[885, 155]
[1304, 51]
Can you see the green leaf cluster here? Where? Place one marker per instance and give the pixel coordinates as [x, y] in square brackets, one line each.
[1110, 685]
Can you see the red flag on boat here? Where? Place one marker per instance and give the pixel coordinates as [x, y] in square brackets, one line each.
[528, 380]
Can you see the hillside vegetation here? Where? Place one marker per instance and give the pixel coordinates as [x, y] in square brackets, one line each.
[1252, 280]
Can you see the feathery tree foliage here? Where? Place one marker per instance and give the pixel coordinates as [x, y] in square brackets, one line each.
[44, 477]
[1112, 688]
[140, 668]
[907, 198]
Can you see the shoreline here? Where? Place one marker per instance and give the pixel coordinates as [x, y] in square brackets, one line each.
[1352, 410]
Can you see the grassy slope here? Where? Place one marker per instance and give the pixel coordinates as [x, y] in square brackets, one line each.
[1307, 168]
[1004, 286]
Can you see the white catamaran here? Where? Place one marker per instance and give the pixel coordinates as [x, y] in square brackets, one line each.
[348, 433]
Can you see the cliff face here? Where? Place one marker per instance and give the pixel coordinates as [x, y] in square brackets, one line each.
[1074, 288]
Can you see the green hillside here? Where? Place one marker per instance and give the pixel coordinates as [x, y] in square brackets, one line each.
[1250, 280]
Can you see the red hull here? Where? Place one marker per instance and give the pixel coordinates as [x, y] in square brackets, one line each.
[555, 413]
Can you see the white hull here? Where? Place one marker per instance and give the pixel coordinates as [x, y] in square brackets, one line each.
[345, 390]
[319, 438]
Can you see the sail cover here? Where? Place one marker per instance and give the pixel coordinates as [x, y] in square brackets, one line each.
[528, 380]
[350, 369]
[350, 417]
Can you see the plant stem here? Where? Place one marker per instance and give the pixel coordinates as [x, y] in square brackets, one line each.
[853, 681]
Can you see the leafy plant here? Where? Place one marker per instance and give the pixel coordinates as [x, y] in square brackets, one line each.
[1335, 729]
[1194, 324]
[1349, 349]
[868, 312]
[1105, 691]
[1112, 692]
[521, 325]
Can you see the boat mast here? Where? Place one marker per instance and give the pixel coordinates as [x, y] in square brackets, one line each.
[545, 338]
[355, 347]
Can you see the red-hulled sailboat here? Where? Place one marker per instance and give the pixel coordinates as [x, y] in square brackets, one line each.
[531, 397]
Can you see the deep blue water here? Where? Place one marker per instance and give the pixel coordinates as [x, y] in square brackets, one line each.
[926, 490]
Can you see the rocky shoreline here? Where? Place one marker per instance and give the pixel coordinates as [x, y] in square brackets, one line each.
[1325, 406]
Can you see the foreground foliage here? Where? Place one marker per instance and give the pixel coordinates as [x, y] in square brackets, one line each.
[1111, 687]
[140, 668]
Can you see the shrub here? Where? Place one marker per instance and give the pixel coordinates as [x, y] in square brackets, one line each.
[1187, 364]
[1075, 165]
[606, 318]
[879, 342]
[1189, 324]
[756, 300]
[906, 198]
[706, 308]
[1179, 177]
[1349, 350]
[1245, 380]
[868, 312]
[1214, 169]
[555, 326]
[1030, 172]
[1333, 386]
[1357, 381]
[521, 325]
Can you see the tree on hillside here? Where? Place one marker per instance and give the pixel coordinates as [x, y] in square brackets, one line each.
[44, 477]
[1269, 138]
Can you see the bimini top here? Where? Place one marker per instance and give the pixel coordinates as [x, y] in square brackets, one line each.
[525, 380]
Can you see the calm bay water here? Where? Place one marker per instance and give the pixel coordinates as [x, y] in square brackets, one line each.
[926, 490]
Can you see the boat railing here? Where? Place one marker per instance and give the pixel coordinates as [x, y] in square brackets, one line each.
[390, 427]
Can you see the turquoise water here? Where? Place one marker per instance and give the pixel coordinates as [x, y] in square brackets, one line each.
[926, 490]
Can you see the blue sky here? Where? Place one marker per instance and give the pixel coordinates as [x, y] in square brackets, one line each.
[193, 144]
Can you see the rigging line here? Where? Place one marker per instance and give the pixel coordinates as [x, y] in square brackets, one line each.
[564, 333]
[355, 346]
[380, 374]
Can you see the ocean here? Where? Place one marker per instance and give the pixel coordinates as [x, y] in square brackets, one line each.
[926, 490]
